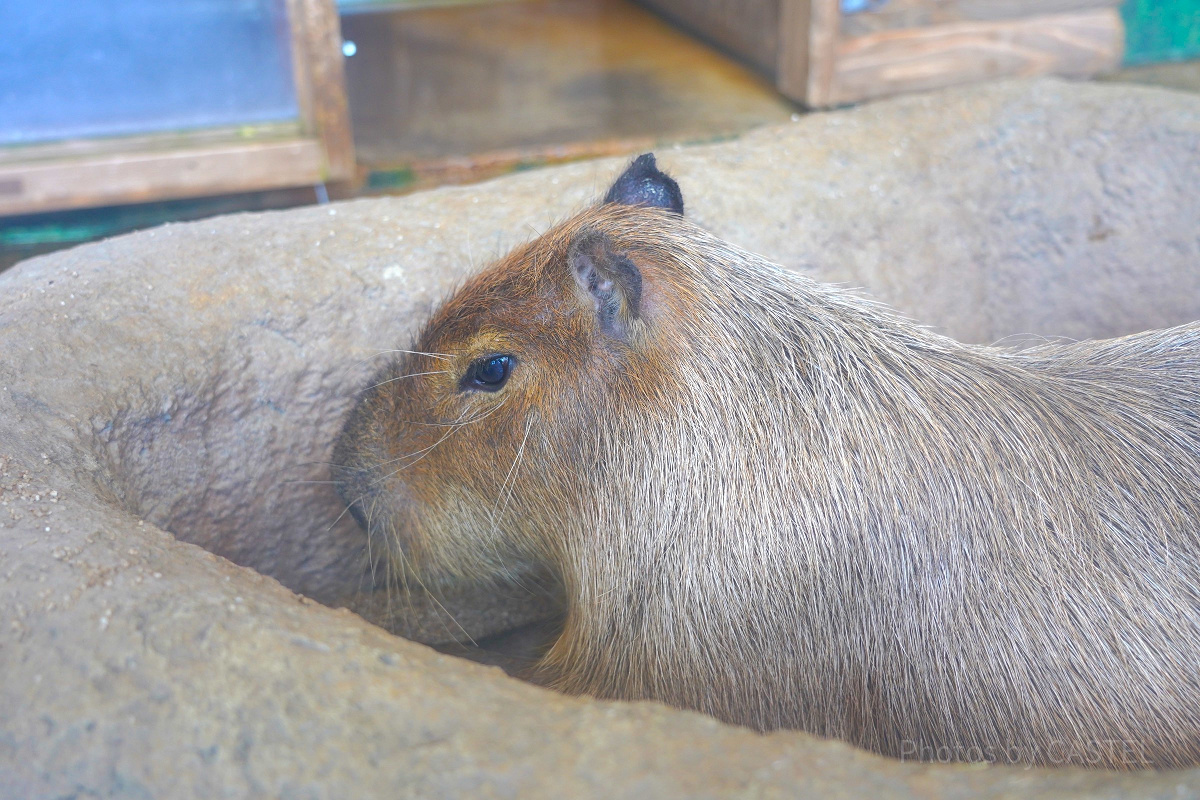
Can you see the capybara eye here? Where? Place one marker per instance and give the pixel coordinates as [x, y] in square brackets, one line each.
[489, 373]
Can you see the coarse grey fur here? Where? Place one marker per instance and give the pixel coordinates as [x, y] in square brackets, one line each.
[855, 526]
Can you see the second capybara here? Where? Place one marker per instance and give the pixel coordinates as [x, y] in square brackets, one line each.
[776, 502]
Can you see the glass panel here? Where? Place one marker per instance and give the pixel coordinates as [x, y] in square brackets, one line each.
[84, 68]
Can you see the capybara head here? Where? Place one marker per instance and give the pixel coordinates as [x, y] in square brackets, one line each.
[779, 503]
[514, 370]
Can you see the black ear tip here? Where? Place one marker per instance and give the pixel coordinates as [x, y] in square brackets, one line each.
[644, 184]
[645, 161]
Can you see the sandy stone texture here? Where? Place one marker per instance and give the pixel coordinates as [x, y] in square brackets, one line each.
[171, 560]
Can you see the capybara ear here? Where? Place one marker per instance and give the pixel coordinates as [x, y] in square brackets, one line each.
[607, 280]
[644, 184]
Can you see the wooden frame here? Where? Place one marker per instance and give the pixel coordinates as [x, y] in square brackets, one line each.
[914, 45]
[316, 148]
[823, 57]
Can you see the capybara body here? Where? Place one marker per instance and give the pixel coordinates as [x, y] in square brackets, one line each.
[779, 503]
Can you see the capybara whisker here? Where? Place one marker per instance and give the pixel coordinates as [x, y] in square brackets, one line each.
[409, 375]
[427, 354]
[414, 457]
[349, 507]
[423, 452]
[306, 464]
[456, 424]
[505, 494]
[392, 352]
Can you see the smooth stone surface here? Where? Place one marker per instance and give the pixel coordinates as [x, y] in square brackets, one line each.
[182, 387]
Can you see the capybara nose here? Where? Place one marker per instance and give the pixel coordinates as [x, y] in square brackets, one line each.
[358, 512]
[359, 489]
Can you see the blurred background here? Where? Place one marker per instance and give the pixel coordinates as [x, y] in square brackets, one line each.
[125, 114]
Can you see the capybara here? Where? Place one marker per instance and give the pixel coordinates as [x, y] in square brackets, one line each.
[784, 505]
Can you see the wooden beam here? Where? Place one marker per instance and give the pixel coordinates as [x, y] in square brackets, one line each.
[141, 177]
[918, 59]
[897, 14]
[824, 30]
[151, 142]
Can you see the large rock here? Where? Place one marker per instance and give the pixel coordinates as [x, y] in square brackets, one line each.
[172, 394]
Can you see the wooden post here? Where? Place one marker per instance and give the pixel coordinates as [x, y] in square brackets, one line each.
[792, 66]
[320, 82]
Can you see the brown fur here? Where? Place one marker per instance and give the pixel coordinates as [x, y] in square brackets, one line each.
[781, 504]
